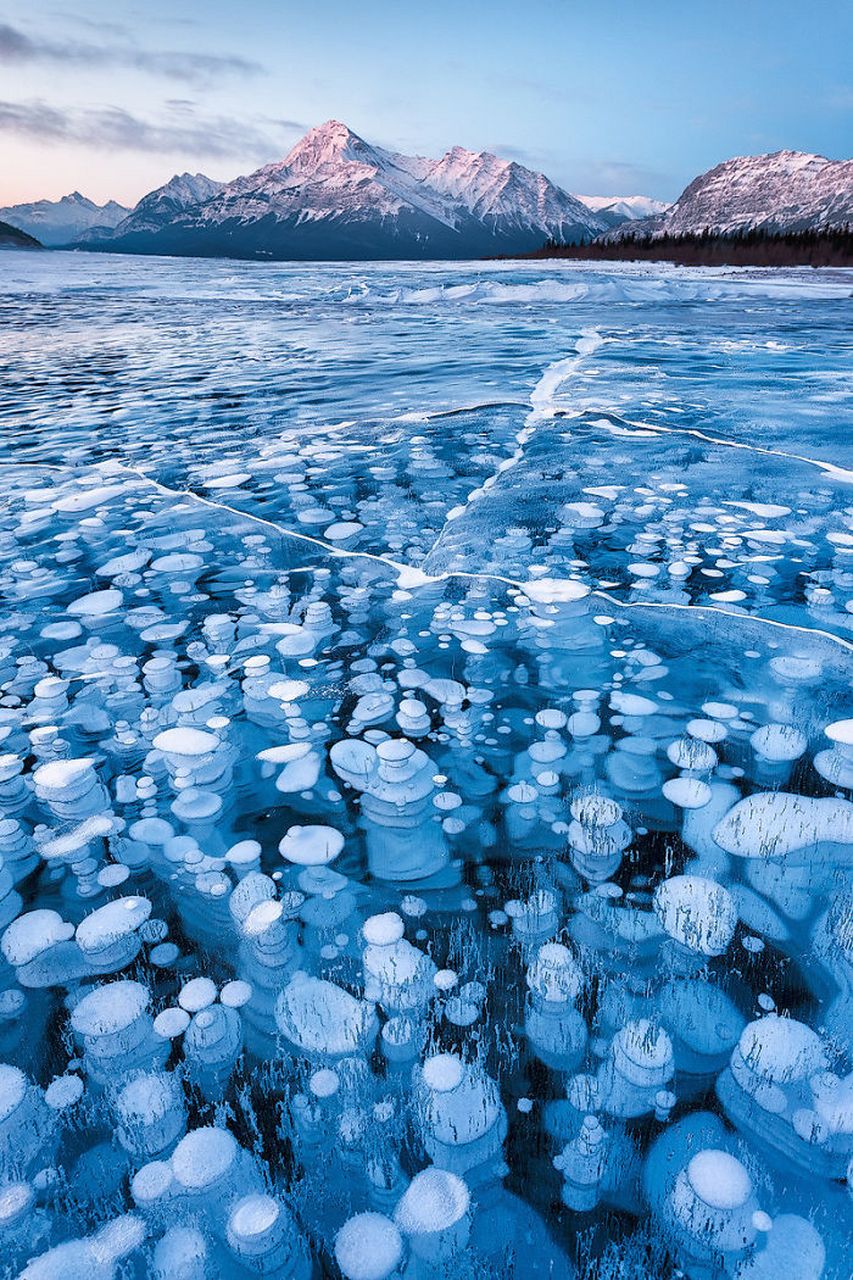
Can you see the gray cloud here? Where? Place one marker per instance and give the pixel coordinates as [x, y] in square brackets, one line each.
[194, 68]
[113, 129]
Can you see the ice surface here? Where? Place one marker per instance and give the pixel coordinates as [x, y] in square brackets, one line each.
[426, 771]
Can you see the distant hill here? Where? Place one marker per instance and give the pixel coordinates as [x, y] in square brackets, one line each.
[12, 238]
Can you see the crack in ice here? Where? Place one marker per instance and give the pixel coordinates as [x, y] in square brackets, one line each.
[832, 469]
[542, 408]
[410, 577]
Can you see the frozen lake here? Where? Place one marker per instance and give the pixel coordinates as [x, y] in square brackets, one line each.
[427, 769]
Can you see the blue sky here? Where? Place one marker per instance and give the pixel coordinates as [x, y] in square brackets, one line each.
[618, 97]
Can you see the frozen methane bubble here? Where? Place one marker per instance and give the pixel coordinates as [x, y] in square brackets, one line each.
[582, 1163]
[714, 1206]
[783, 825]
[641, 1061]
[552, 1022]
[397, 975]
[697, 913]
[99, 1256]
[720, 1181]
[109, 937]
[26, 1125]
[687, 792]
[395, 779]
[776, 747]
[151, 1114]
[311, 846]
[181, 1253]
[462, 1120]
[34, 935]
[321, 1019]
[117, 1032]
[836, 763]
[434, 1214]
[598, 836]
[263, 1237]
[70, 788]
[368, 1247]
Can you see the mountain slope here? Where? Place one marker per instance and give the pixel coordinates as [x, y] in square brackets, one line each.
[336, 196]
[506, 197]
[783, 191]
[56, 222]
[13, 238]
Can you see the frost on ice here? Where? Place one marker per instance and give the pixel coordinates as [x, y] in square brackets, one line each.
[426, 846]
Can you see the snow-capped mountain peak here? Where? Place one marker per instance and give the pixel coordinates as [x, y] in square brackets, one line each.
[467, 175]
[184, 190]
[495, 189]
[329, 145]
[159, 208]
[778, 192]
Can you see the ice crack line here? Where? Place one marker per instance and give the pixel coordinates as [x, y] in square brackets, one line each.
[410, 577]
[542, 408]
[843, 474]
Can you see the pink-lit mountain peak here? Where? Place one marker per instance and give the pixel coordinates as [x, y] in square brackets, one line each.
[330, 145]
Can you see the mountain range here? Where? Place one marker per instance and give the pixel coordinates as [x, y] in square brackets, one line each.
[784, 191]
[59, 222]
[337, 197]
[619, 209]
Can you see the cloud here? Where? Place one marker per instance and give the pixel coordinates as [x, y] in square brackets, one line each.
[618, 178]
[594, 177]
[193, 68]
[114, 129]
[508, 152]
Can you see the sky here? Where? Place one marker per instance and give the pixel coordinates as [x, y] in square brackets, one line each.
[621, 97]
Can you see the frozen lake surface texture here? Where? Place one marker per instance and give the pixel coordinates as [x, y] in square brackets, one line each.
[426, 761]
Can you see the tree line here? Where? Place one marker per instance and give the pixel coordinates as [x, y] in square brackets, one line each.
[827, 247]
